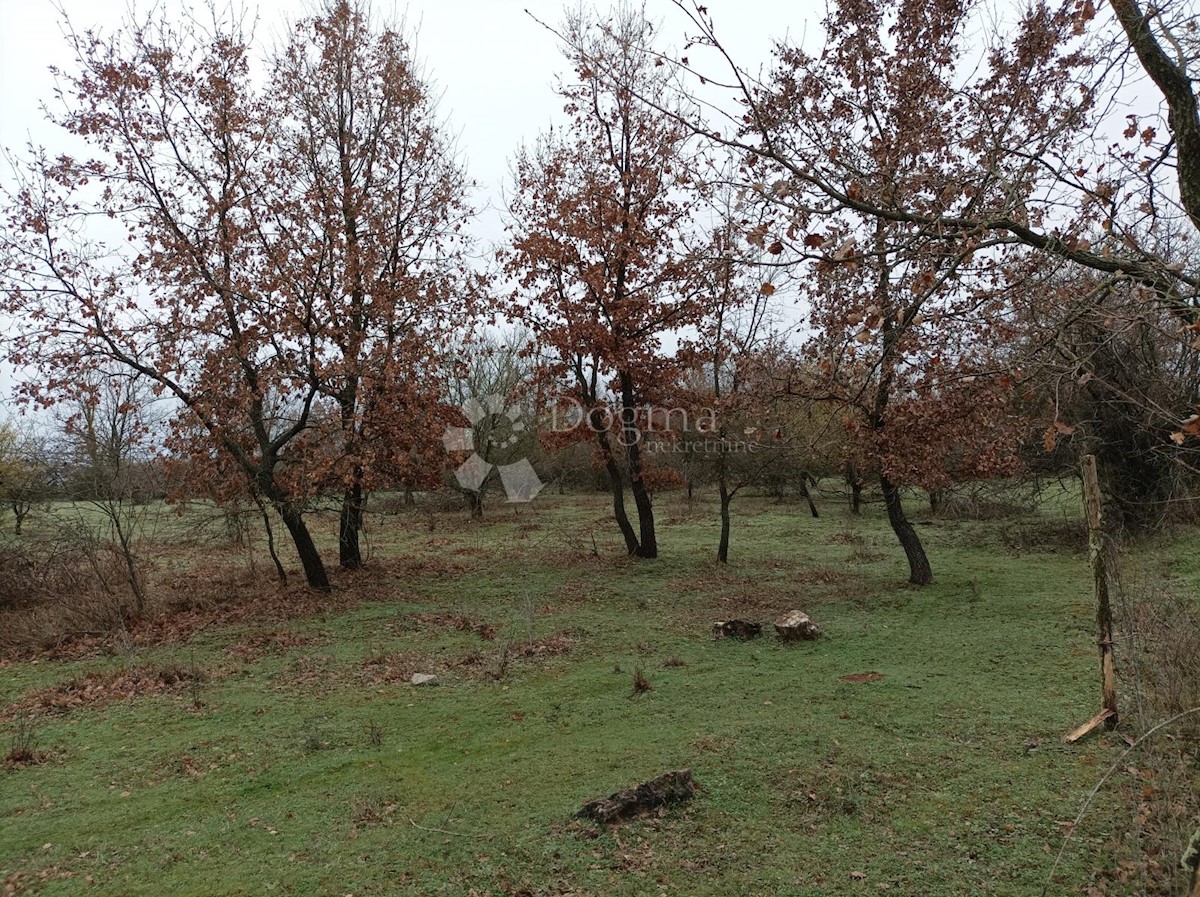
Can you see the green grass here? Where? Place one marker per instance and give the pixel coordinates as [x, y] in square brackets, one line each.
[921, 783]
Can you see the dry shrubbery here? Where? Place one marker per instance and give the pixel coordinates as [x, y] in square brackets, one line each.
[985, 501]
[1162, 667]
[1167, 628]
[57, 588]
[99, 688]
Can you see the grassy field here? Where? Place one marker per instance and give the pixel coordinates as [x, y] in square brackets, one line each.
[287, 754]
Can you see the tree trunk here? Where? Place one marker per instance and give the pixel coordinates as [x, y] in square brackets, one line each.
[920, 573]
[617, 486]
[349, 525]
[648, 541]
[723, 546]
[20, 519]
[279, 571]
[475, 504]
[310, 558]
[812, 505]
[409, 500]
[1173, 81]
[125, 540]
[856, 488]
[935, 500]
[618, 493]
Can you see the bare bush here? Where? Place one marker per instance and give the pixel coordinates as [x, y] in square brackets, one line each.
[983, 501]
[56, 588]
[1163, 666]
[1166, 657]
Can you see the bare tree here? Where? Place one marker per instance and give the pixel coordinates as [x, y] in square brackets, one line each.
[115, 473]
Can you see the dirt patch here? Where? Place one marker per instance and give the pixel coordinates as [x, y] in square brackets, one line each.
[260, 644]
[845, 539]
[863, 677]
[99, 689]
[553, 646]
[205, 598]
[22, 758]
[386, 669]
[312, 672]
[433, 566]
[706, 598]
[574, 592]
[369, 811]
[20, 882]
[493, 665]
[440, 620]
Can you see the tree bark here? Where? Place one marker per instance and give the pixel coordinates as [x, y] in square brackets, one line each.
[279, 571]
[647, 541]
[125, 540]
[1173, 82]
[1098, 556]
[349, 525]
[310, 558]
[856, 488]
[723, 545]
[616, 485]
[812, 505]
[920, 573]
[475, 504]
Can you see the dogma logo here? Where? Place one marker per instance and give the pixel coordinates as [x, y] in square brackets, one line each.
[500, 427]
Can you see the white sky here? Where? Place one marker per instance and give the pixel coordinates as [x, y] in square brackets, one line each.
[494, 64]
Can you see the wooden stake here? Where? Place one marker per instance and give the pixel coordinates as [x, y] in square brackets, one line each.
[1098, 557]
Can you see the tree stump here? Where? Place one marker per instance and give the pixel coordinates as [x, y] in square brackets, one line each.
[668, 788]
[795, 626]
[743, 629]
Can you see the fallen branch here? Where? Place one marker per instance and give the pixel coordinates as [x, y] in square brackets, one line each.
[668, 788]
[1089, 727]
[743, 629]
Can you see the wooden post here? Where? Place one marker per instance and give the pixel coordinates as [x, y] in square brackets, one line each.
[1098, 556]
[1191, 862]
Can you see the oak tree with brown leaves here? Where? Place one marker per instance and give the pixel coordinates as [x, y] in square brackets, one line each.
[599, 213]
[373, 217]
[271, 258]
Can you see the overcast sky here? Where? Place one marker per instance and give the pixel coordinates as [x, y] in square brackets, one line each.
[493, 62]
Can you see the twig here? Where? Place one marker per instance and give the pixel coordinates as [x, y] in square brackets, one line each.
[1091, 797]
[442, 831]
